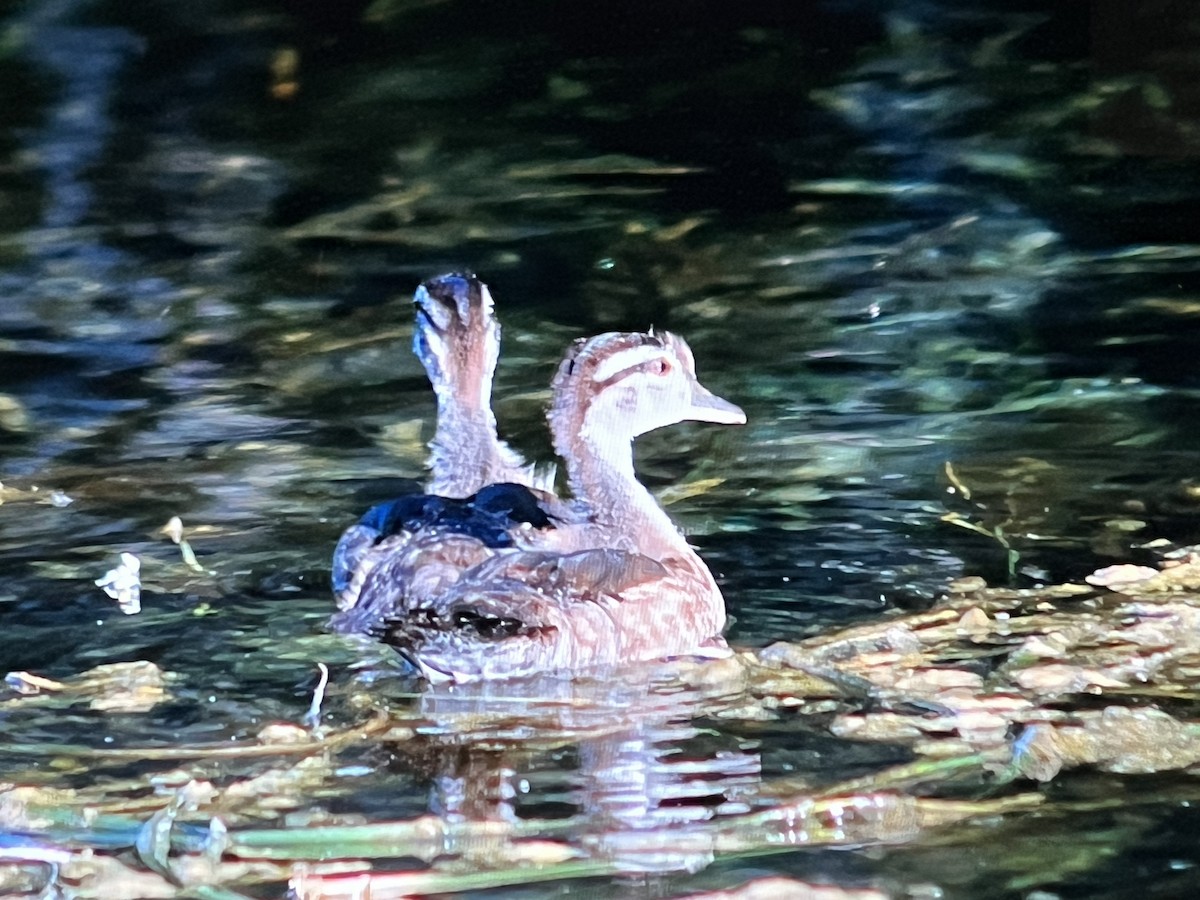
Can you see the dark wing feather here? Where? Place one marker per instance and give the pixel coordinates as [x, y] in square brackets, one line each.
[522, 612]
[404, 573]
[491, 518]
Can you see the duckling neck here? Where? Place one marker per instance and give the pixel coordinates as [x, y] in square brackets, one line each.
[466, 453]
[602, 476]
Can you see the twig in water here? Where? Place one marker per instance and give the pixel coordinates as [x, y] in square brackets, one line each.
[313, 717]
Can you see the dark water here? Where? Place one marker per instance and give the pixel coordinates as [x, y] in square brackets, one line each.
[900, 235]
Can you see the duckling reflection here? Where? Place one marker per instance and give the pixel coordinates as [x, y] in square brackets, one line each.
[628, 766]
[509, 580]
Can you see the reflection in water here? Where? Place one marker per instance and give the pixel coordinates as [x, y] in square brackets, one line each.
[88, 317]
[88, 60]
[641, 764]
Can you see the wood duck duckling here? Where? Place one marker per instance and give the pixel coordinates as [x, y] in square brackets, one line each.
[478, 485]
[616, 584]
[457, 339]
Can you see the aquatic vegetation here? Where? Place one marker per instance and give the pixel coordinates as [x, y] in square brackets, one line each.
[953, 684]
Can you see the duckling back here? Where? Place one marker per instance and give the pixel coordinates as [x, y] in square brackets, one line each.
[420, 527]
[532, 612]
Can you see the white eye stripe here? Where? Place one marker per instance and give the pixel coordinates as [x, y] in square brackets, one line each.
[625, 359]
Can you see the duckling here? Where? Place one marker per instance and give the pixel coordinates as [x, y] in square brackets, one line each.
[457, 339]
[478, 485]
[616, 583]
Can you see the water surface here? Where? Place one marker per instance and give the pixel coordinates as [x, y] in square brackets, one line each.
[901, 236]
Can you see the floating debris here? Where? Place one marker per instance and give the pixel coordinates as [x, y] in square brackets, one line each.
[125, 687]
[34, 494]
[28, 684]
[124, 584]
[134, 686]
[174, 530]
[313, 717]
[1180, 573]
[1119, 576]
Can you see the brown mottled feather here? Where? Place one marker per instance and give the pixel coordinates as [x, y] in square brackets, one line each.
[613, 582]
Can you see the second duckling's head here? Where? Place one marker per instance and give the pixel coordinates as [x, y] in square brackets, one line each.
[616, 386]
[457, 338]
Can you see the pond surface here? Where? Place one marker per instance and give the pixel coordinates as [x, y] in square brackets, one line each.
[945, 255]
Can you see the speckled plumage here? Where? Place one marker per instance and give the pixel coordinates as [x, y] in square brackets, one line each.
[531, 583]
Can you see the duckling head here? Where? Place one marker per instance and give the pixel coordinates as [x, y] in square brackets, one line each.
[457, 337]
[616, 386]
